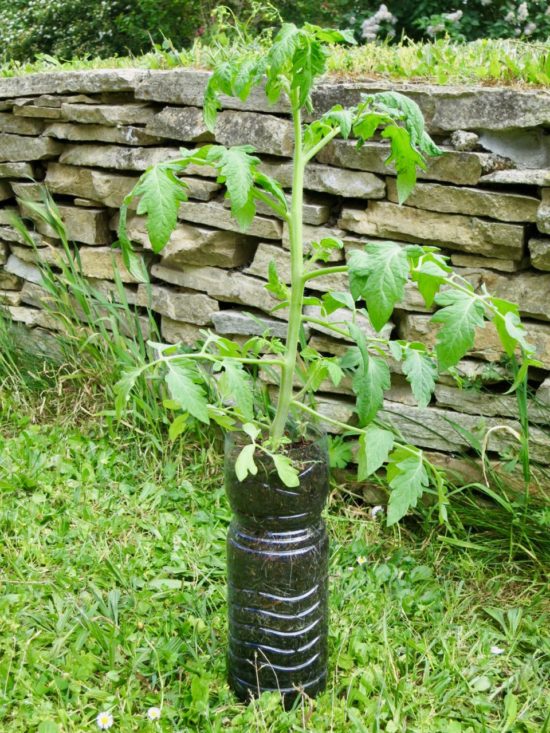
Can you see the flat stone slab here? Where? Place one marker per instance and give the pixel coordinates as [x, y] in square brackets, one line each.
[491, 263]
[240, 323]
[455, 167]
[23, 270]
[190, 307]
[216, 215]
[225, 285]
[341, 318]
[196, 245]
[10, 297]
[455, 232]
[474, 402]
[543, 213]
[16, 170]
[507, 207]
[540, 253]
[543, 392]
[328, 179]
[117, 157]
[108, 114]
[519, 177]
[9, 281]
[101, 263]
[14, 148]
[180, 123]
[176, 332]
[107, 188]
[17, 126]
[266, 133]
[122, 135]
[89, 226]
[316, 210]
[60, 82]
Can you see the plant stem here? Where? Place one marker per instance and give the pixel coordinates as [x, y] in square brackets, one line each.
[325, 271]
[296, 279]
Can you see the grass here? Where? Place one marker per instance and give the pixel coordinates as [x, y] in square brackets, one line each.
[487, 61]
[112, 597]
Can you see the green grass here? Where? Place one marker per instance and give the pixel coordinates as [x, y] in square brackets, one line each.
[112, 597]
[444, 61]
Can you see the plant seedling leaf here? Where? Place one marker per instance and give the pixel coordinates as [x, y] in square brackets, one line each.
[374, 448]
[408, 480]
[189, 395]
[461, 315]
[286, 471]
[421, 373]
[245, 462]
[160, 194]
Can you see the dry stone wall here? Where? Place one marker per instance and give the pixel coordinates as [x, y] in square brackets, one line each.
[486, 203]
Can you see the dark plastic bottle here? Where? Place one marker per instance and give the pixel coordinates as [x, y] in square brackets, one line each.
[277, 563]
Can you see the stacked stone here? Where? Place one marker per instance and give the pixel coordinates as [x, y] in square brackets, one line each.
[485, 203]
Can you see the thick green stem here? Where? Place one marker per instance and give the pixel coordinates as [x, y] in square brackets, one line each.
[296, 281]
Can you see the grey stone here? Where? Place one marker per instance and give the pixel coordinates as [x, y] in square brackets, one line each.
[235, 322]
[456, 232]
[48, 255]
[464, 141]
[10, 297]
[54, 100]
[14, 148]
[447, 108]
[108, 114]
[543, 393]
[540, 253]
[6, 217]
[27, 191]
[328, 179]
[5, 191]
[9, 281]
[16, 170]
[266, 133]
[112, 291]
[187, 86]
[491, 263]
[455, 167]
[4, 250]
[191, 307]
[177, 123]
[543, 213]
[433, 428]
[195, 245]
[61, 82]
[215, 214]
[529, 289]
[224, 285]
[527, 148]
[10, 234]
[474, 402]
[101, 263]
[506, 207]
[521, 177]
[117, 157]
[33, 317]
[108, 188]
[89, 226]
[123, 135]
[36, 295]
[18, 126]
[87, 203]
[487, 344]
[175, 332]
[22, 270]
[199, 188]
[40, 114]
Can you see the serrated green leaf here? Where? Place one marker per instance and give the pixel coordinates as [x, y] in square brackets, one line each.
[237, 384]
[509, 327]
[421, 373]
[335, 372]
[378, 275]
[123, 388]
[335, 300]
[132, 261]
[160, 194]
[237, 168]
[369, 385]
[331, 35]
[429, 277]
[461, 315]
[189, 395]
[251, 430]
[286, 471]
[245, 462]
[374, 448]
[339, 452]
[308, 62]
[408, 480]
[405, 160]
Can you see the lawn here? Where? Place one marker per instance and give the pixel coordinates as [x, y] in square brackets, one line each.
[112, 598]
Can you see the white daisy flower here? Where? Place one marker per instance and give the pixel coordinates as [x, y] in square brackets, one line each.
[496, 650]
[361, 560]
[104, 720]
[153, 713]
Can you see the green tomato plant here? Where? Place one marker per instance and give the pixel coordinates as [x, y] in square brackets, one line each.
[218, 382]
